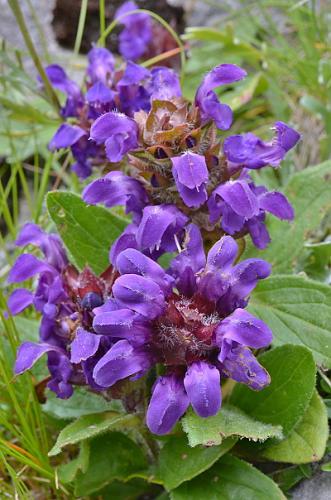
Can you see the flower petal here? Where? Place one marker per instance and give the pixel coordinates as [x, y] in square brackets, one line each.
[277, 204]
[239, 196]
[65, 136]
[121, 361]
[19, 300]
[168, 403]
[203, 386]
[29, 352]
[84, 345]
[242, 366]
[27, 266]
[101, 64]
[244, 328]
[158, 226]
[139, 294]
[191, 176]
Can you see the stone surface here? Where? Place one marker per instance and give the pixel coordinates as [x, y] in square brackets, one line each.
[316, 488]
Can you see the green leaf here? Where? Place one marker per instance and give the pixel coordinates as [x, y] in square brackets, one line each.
[28, 329]
[81, 403]
[307, 441]
[90, 426]
[130, 490]
[230, 421]
[178, 462]
[113, 456]
[298, 311]
[284, 401]
[309, 193]
[67, 472]
[229, 479]
[87, 231]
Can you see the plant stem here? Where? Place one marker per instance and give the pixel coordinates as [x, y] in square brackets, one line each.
[81, 26]
[14, 5]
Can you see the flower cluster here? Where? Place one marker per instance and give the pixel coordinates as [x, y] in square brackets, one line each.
[185, 188]
[98, 331]
[107, 89]
[186, 173]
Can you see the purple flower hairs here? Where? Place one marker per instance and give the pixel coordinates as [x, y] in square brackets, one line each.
[191, 321]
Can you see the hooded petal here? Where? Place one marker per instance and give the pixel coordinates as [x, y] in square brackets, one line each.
[99, 93]
[101, 64]
[123, 324]
[202, 385]
[168, 403]
[207, 101]
[164, 84]
[139, 294]
[158, 226]
[239, 196]
[252, 152]
[189, 262]
[134, 39]
[243, 328]
[84, 345]
[191, 176]
[242, 366]
[118, 131]
[29, 352]
[277, 204]
[222, 255]
[126, 240]
[65, 136]
[245, 275]
[121, 361]
[133, 262]
[27, 266]
[19, 300]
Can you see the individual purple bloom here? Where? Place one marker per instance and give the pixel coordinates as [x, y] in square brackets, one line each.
[191, 176]
[99, 94]
[206, 99]
[65, 136]
[61, 372]
[186, 266]
[202, 385]
[29, 353]
[164, 84]
[19, 300]
[199, 336]
[133, 89]
[242, 366]
[101, 65]
[126, 240]
[115, 189]
[84, 345]
[250, 151]
[121, 361]
[137, 32]
[241, 206]
[168, 403]
[159, 226]
[118, 132]
[60, 81]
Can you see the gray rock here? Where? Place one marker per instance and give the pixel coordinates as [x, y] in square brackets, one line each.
[316, 488]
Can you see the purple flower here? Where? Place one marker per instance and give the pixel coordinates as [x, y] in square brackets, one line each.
[200, 336]
[75, 137]
[117, 188]
[118, 132]
[241, 206]
[206, 99]
[60, 81]
[250, 151]
[164, 84]
[65, 299]
[101, 65]
[137, 32]
[191, 176]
